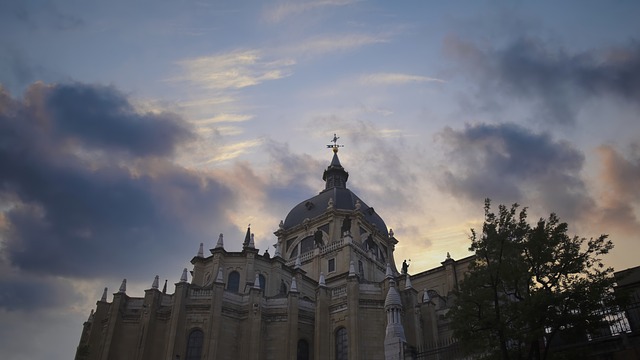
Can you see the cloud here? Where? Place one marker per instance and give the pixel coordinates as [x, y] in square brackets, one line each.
[554, 80]
[333, 43]
[232, 151]
[45, 15]
[622, 195]
[224, 117]
[100, 117]
[286, 9]
[234, 70]
[509, 163]
[395, 79]
[26, 294]
[82, 202]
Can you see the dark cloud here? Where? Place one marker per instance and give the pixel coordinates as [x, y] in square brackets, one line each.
[553, 79]
[88, 189]
[102, 117]
[508, 163]
[20, 294]
[43, 14]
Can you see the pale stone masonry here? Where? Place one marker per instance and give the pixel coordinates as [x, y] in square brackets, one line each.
[330, 291]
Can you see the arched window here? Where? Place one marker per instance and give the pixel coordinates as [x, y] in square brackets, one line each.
[306, 244]
[194, 345]
[233, 282]
[263, 282]
[303, 350]
[342, 344]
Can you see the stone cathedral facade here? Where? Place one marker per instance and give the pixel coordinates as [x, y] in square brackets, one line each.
[331, 291]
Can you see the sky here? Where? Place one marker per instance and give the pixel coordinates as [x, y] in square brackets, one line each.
[132, 131]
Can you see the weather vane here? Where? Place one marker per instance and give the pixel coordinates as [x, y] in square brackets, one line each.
[335, 145]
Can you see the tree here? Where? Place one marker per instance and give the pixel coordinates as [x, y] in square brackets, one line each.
[529, 286]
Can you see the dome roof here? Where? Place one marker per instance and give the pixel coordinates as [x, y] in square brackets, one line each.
[343, 199]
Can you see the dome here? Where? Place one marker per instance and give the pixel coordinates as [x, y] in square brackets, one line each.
[343, 199]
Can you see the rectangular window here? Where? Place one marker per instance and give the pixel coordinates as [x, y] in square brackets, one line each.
[332, 265]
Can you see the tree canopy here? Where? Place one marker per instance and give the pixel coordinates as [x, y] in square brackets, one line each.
[530, 287]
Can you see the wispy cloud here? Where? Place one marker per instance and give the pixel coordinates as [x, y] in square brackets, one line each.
[333, 43]
[224, 117]
[281, 11]
[215, 101]
[395, 79]
[233, 70]
[229, 152]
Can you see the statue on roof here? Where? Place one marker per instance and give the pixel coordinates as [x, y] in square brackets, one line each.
[405, 266]
[346, 225]
[317, 238]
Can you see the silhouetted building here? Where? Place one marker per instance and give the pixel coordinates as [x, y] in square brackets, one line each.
[331, 290]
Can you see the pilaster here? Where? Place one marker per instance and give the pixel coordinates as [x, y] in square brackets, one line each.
[212, 343]
[252, 345]
[176, 340]
[293, 311]
[148, 322]
[323, 335]
[353, 307]
[119, 299]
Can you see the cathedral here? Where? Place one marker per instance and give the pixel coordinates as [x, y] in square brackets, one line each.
[331, 290]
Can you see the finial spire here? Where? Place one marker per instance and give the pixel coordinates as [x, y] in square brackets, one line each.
[164, 288]
[201, 250]
[252, 243]
[123, 286]
[247, 237]
[294, 285]
[104, 295]
[183, 278]
[335, 175]
[155, 283]
[322, 281]
[335, 145]
[220, 243]
[389, 273]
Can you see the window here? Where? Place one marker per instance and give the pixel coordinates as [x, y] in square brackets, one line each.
[306, 245]
[303, 350]
[194, 345]
[233, 282]
[342, 344]
[263, 282]
[361, 269]
[331, 265]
